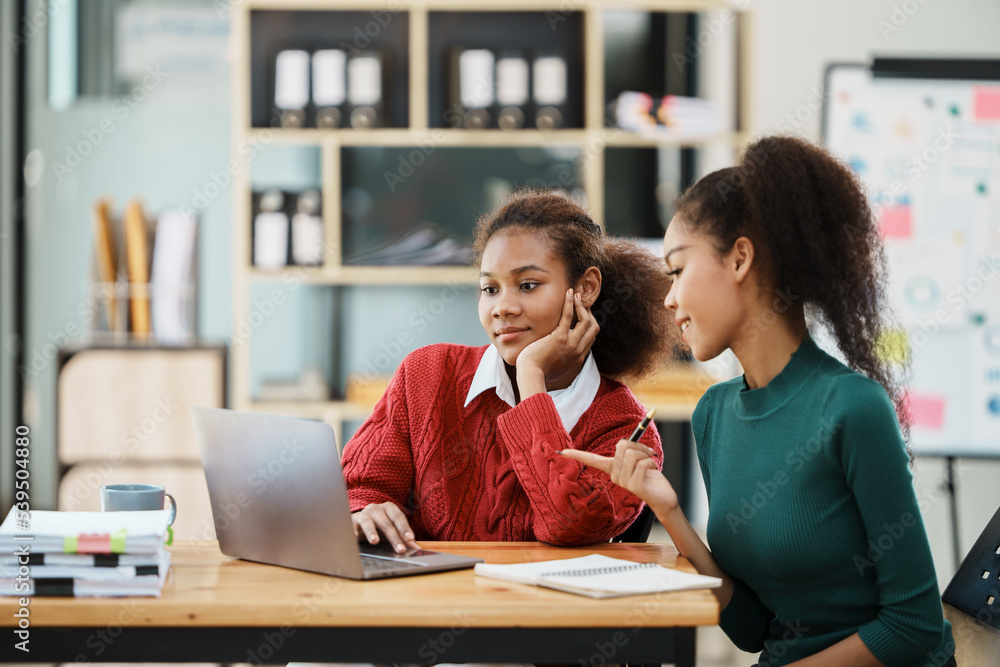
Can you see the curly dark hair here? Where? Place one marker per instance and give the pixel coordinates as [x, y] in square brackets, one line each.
[816, 236]
[637, 333]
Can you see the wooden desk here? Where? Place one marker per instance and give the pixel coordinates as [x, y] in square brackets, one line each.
[218, 609]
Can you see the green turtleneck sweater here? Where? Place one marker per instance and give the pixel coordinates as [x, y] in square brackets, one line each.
[812, 512]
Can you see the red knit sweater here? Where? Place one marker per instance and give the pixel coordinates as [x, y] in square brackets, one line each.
[489, 471]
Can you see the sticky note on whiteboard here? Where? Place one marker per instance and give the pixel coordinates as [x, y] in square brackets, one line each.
[894, 346]
[986, 103]
[927, 410]
[896, 221]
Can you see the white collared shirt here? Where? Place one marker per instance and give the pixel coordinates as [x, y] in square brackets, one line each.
[570, 402]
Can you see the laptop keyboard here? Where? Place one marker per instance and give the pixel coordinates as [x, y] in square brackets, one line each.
[374, 564]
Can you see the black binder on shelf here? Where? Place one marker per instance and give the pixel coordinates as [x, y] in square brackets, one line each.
[513, 81]
[472, 88]
[291, 87]
[549, 90]
[270, 230]
[329, 86]
[308, 247]
[366, 94]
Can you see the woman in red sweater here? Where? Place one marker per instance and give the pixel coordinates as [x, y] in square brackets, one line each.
[465, 443]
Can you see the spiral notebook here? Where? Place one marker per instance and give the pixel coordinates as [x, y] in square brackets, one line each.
[598, 576]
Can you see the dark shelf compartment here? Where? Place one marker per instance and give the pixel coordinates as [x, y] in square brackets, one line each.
[644, 51]
[641, 52]
[272, 31]
[631, 177]
[389, 190]
[532, 33]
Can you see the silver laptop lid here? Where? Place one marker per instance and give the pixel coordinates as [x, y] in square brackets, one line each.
[277, 491]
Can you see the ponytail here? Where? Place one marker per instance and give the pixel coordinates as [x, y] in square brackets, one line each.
[817, 238]
[637, 333]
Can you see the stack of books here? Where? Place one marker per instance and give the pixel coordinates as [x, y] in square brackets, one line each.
[83, 554]
[669, 115]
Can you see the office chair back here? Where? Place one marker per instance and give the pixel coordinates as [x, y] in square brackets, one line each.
[975, 588]
[640, 528]
[972, 600]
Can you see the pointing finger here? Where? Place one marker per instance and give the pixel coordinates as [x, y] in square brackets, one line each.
[602, 463]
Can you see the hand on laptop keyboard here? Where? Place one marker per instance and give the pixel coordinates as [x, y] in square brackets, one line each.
[384, 519]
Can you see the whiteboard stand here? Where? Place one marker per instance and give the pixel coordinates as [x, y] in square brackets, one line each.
[953, 498]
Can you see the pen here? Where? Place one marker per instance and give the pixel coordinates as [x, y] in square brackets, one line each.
[641, 428]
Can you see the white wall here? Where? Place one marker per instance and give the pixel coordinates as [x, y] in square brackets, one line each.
[795, 40]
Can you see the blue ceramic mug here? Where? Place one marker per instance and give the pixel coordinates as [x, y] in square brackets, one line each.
[125, 497]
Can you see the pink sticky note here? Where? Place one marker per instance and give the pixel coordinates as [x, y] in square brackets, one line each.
[93, 543]
[985, 103]
[896, 221]
[927, 410]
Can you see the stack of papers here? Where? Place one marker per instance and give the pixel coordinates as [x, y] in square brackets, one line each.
[423, 245]
[83, 554]
[598, 576]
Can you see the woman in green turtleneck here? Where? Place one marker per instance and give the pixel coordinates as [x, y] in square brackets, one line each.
[813, 522]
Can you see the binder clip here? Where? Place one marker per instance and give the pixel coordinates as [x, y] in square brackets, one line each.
[510, 118]
[329, 117]
[548, 118]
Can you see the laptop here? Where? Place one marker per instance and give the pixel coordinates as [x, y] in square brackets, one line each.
[278, 497]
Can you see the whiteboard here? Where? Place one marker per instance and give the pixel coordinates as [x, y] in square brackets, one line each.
[928, 150]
